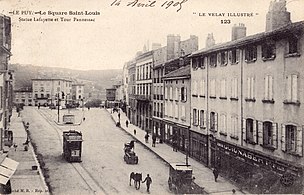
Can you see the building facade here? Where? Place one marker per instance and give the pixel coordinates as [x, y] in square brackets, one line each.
[6, 78]
[24, 96]
[46, 91]
[143, 71]
[246, 102]
[167, 59]
[131, 106]
[177, 105]
[77, 92]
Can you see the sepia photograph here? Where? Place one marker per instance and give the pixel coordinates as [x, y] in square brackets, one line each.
[155, 97]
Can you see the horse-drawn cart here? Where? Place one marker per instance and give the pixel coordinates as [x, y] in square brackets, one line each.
[181, 180]
[130, 156]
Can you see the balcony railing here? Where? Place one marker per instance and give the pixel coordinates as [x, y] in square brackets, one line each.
[143, 97]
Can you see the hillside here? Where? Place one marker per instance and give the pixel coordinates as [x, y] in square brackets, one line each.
[96, 80]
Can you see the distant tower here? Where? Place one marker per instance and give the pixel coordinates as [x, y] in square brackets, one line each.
[173, 46]
[238, 31]
[210, 40]
[277, 15]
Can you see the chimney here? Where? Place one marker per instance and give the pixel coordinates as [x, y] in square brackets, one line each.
[238, 31]
[210, 40]
[277, 15]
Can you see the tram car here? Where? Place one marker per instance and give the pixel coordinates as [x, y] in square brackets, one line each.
[72, 145]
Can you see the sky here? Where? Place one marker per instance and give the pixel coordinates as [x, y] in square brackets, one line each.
[120, 30]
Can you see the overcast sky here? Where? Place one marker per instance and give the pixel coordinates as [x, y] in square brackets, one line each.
[120, 31]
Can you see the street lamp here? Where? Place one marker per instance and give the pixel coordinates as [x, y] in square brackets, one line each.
[62, 94]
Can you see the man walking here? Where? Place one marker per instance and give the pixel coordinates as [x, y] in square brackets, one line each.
[148, 181]
[153, 140]
[127, 123]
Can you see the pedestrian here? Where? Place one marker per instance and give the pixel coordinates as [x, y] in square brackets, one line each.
[174, 145]
[147, 137]
[127, 123]
[233, 191]
[215, 173]
[134, 131]
[153, 140]
[119, 115]
[148, 181]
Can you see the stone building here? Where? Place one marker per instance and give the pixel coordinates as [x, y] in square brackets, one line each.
[6, 77]
[167, 59]
[131, 106]
[47, 90]
[143, 71]
[246, 102]
[176, 106]
[24, 96]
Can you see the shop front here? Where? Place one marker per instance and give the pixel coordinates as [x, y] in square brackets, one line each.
[199, 147]
[254, 171]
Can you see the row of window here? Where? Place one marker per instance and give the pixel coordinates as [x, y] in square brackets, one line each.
[180, 94]
[199, 89]
[143, 89]
[174, 110]
[144, 71]
[264, 133]
[268, 52]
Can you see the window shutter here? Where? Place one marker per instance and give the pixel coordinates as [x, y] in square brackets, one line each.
[197, 118]
[294, 88]
[244, 129]
[185, 94]
[299, 149]
[270, 88]
[252, 87]
[260, 132]
[237, 55]
[216, 122]
[288, 88]
[205, 118]
[275, 135]
[283, 141]
[255, 131]
[179, 94]
[266, 87]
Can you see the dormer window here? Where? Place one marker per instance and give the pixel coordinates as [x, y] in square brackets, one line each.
[212, 60]
[268, 51]
[223, 58]
[234, 56]
[251, 53]
[202, 62]
[292, 47]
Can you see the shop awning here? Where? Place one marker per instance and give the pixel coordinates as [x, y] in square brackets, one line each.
[7, 169]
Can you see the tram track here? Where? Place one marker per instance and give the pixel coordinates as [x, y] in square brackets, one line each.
[86, 176]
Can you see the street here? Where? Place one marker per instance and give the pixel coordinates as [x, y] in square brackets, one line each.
[105, 171]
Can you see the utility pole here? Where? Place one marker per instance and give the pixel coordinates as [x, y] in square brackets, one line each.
[58, 103]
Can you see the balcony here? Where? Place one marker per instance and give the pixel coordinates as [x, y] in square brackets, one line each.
[143, 97]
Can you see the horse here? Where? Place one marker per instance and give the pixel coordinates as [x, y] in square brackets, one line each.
[137, 177]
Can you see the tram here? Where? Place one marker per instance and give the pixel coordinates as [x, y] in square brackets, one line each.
[72, 145]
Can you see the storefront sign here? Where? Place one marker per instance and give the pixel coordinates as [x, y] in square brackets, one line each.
[253, 158]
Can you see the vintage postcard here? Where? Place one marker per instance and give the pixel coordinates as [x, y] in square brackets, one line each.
[152, 96]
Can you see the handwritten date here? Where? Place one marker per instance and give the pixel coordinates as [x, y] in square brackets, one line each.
[165, 4]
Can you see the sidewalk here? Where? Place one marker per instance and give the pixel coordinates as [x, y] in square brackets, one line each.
[25, 180]
[204, 176]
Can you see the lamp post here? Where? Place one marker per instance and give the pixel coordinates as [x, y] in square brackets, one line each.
[58, 103]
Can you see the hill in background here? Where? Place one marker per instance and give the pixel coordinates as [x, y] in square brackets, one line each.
[96, 81]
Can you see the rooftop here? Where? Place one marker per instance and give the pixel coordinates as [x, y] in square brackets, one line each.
[183, 71]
